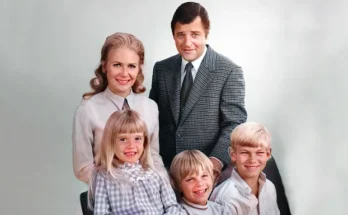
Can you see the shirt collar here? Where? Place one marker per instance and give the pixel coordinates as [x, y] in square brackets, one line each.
[199, 207]
[127, 165]
[196, 63]
[242, 186]
[119, 100]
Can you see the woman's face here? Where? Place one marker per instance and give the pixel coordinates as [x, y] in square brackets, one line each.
[122, 68]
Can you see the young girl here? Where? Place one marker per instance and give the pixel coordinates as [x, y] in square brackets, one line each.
[192, 175]
[124, 181]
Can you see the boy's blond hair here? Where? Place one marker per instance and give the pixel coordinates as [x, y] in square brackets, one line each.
[189, 162]
[250, 134]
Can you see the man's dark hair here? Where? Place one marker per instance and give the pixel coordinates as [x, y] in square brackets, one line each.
[189, 11]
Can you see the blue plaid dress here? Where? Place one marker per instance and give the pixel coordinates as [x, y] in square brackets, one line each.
[145, 192]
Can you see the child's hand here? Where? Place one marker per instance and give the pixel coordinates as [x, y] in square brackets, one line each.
[217, 167]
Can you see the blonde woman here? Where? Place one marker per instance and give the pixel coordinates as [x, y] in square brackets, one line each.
[117, 85]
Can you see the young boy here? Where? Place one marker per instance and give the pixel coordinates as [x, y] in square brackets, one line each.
[247, 191]
[191, 172]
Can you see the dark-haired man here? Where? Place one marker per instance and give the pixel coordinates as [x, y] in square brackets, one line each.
[200, 93]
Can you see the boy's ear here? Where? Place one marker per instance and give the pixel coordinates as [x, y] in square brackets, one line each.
[174, 183]
[269, 153]
[230, 150]
[233, 157]
[232, 154]
[177, 187]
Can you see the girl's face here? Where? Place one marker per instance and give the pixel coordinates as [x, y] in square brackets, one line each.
[129, 147]
[122, 68]
[196, 188]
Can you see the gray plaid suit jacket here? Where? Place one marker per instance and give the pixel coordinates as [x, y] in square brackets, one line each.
[215, 106]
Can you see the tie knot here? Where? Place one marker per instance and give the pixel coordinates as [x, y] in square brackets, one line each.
[188, 66]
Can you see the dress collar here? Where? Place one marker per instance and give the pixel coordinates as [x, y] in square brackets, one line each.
[127, 165]
[119, 100]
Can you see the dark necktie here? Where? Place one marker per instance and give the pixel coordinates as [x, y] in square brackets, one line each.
[186, 85]
[125, 105]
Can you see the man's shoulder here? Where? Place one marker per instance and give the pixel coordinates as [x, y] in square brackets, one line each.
[225, 62]
[168, 61]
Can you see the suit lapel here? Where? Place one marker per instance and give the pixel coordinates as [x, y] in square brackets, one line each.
[202, 80]
[173, 83]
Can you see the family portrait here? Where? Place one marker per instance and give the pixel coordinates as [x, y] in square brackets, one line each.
[174, 107]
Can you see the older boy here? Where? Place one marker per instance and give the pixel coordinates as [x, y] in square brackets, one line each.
[247, 191]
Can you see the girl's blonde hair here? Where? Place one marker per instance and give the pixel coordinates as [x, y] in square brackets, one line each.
[250, 134]
[189, 162]
[115, 41]
[106, 161]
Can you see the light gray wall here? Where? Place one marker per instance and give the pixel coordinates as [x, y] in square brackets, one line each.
[293, 54]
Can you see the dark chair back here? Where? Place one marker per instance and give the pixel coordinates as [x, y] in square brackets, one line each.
[84, 204]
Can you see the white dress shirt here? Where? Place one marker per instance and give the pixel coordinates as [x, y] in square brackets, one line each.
[196, 63]
[89, 121]
[237, 195]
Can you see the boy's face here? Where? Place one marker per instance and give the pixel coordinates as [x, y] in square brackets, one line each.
[196, 188]
[250, 161]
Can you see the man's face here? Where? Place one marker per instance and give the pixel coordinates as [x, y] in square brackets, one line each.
[190, 39]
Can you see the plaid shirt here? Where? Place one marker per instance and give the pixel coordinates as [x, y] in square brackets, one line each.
[145, 192]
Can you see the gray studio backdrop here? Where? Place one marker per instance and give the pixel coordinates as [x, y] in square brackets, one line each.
[293, 54]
